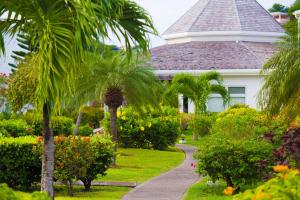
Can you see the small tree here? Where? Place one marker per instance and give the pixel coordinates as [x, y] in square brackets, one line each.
[277, 7]
[116, 80]
[198, 89]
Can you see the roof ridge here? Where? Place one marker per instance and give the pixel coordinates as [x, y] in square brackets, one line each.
[238, 14]
[252, 52]
[202, 11]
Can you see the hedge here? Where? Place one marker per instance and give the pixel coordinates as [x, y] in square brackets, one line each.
[20, 166]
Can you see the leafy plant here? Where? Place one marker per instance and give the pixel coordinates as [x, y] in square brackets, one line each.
[155, 129]
[289, 151]
[285, 186]
[202, 124]
[85, 131]
[245, 123]
[8, 194]
[15, 128]
[20, 166]
[92, 116]
[61, 125]
[81, 158]
[237, 162]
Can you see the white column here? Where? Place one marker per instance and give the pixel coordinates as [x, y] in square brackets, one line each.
[180, 103]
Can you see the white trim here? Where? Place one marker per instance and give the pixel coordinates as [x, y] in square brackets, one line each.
[250, 36]
[227, 72]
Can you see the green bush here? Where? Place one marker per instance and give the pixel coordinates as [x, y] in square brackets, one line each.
[85, 131]
[245, 123]
[92, 116]
[61, 125]
[185, 120]
[14, 127]
[155, 129]
[285, 186]
[202, 124]
[237, 162]
[8, 194]
[20, 166]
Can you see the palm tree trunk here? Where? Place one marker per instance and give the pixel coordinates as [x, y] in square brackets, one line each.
[48, 154]
[195, 131]
[114, 132]
[78, 121]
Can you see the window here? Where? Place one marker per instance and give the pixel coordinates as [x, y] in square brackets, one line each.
[237, 96]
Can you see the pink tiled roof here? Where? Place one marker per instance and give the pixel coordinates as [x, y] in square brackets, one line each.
[212, 55]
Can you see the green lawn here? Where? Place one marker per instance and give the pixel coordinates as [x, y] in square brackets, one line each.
[139, 165]
[133, 165]
[207, 191]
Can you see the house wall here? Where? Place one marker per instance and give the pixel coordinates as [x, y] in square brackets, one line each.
[252, 83]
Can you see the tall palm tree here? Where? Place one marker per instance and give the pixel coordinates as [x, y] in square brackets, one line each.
[198, 89]
[114, 79]
[281, 91]
[61, 30]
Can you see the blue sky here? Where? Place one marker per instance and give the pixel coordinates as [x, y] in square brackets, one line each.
[164, 14]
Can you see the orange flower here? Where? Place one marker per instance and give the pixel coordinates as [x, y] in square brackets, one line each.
[281, 168]
[229, 191]
[39, 139]
[87, 139]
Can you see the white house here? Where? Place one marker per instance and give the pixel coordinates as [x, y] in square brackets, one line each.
[233, 37]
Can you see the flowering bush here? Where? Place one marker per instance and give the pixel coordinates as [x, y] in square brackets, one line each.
[237, 162]
[81, 158]
[202, 124]
[246, 123]
[152, 130]
[285, 186]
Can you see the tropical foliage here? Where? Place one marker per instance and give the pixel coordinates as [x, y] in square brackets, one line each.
[61, 30]
[198, 88]
[115, 80]
[280, 93]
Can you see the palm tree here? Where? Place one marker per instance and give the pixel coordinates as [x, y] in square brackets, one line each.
[114, 79]
[61, 30]
[281, 91]
[198, 89]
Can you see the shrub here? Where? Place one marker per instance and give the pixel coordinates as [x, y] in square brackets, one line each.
[85, 131]
[202, 124]
[92, 116]
[20, 166]
[14, 127]
[245, 123]
[289, 151]
[285, 186]
[8, 194]
[81, 158]
[237, 162]
[61, 125]
[185, 120]
[153, 130]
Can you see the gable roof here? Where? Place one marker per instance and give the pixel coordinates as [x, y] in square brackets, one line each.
[225, 15]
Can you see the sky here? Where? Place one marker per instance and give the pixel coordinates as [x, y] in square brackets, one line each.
[164, 14]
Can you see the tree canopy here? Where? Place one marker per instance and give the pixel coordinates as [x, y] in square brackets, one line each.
[277, 7]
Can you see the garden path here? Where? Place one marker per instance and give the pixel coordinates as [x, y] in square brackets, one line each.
[171, 185]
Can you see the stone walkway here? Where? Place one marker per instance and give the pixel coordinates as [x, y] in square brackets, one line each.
[171, 185]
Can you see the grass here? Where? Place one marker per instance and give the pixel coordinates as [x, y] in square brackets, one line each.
[139, 165]
[133, 165]
[205, 191]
